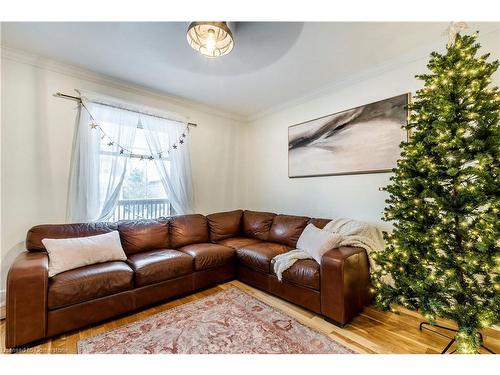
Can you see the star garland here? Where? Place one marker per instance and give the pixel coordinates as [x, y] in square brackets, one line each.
[128, 152]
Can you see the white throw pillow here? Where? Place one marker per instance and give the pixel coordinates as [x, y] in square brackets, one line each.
[316, 242]
[70, 253]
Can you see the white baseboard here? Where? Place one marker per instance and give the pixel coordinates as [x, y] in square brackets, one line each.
[2, 304]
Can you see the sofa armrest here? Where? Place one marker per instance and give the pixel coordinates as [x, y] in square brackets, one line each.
[27, 283]
[345, 283]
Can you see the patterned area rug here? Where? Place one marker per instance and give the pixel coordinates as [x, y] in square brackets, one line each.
[230, 321]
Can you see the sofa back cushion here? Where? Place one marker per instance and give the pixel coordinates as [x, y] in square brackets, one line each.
[224, 225]
[38, 233]
[69, 253]
[143, 235]
[188, 229]
[316, 242]
[257, 224]
[287, 229]
[319, 223]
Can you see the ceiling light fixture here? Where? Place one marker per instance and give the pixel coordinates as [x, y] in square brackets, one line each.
[211, 39]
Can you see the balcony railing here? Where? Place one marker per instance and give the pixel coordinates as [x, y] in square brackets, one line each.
[132, 209]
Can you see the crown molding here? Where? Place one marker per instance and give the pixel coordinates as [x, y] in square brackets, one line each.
[42, 62]
[81, 73]
[329, 88]
[421, 53]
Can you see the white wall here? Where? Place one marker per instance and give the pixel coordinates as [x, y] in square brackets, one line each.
[356, 196]
[37, 135]
[234, 164]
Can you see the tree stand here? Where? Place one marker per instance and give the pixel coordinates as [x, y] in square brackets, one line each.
[423, 324]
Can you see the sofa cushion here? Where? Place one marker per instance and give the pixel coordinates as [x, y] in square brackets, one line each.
[38, 233]
[70, 253]
[304, 272]
[258, 256]
[143, 235]
[287, 229]
[237, 242]
[209, 255]
[89, 282]
[188, 229]
[316, 242]
[224, 224]
[159, 265]
[257, 224]
[319, 223]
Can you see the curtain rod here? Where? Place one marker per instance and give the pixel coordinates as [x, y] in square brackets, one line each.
[78, 99]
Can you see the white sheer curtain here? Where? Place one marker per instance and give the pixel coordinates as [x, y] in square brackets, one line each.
[96, 178]
[121, 127]
[83, 196]
[175, 172]
[98, 169]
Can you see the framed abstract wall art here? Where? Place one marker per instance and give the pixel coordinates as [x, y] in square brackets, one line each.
[364, 139]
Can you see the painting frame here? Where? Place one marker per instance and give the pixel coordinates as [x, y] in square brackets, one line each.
[408, 97]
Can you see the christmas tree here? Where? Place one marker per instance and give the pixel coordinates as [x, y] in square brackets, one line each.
[443, 256]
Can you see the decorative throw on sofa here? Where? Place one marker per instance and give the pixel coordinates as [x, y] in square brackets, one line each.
[284, 261]
[357, 233]
[364, 235]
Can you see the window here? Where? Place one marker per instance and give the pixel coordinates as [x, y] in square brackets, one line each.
[142, 195]
[129, 162]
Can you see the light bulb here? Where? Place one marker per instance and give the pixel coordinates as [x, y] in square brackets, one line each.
[210, 41]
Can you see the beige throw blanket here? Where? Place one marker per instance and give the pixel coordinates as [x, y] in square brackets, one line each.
[358, 234]
[284, 261]
[366, 236]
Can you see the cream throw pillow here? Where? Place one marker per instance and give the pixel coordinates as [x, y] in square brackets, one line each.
[70, 253]
[316, 242]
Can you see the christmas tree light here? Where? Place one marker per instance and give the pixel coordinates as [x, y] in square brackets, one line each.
[444, 199]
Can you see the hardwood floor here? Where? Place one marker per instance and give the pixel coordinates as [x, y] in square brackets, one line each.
[372, 331]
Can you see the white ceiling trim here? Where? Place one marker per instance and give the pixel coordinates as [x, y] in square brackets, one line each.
[56, 66]
[408, 58]
[86, 74]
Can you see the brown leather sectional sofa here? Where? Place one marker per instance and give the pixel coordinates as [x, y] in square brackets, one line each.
[172, 256]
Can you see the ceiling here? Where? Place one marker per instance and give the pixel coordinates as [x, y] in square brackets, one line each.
[272, 62]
